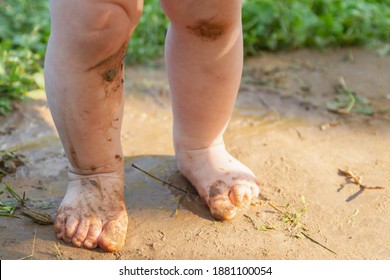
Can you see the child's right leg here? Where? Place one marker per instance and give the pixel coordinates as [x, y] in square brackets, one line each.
[84, 84]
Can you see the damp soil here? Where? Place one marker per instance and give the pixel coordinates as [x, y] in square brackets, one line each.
[280, 128]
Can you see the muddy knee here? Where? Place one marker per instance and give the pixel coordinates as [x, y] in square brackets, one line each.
[207, 20]
[92, 31]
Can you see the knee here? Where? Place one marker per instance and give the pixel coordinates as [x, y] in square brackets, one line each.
[207, 20]
[94, 27]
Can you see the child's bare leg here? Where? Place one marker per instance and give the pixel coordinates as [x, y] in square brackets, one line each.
[204, 55]
[84, 84]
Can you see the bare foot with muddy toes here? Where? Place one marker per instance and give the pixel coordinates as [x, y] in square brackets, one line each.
[93, 212]
[225, 185]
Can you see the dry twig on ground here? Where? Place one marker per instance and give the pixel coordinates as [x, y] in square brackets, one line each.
[358, 180]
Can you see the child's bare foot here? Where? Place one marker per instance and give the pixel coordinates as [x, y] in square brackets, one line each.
[225, 184]
[93, 212]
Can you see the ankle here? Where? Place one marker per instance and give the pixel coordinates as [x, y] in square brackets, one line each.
[190, 161]
[184, 144]
[74, 176]
[107, 165]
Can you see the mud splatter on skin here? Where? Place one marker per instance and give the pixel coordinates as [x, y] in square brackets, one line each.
[111, 64]
[109, 75]
[106, 131]
[66, 208]
[73, 156]
[218, 188]
[94, 183]
[108, 136]
[111, 70]
[206, 30]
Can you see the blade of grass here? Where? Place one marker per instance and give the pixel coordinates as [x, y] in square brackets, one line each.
[7, 209]
[251, 221]
[21, 200]
[8, 215]
[160, 180]
[318, 243]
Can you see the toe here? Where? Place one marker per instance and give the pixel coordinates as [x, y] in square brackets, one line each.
[70, 229]
[222, 208]
[59, 225]
[113, 235]
[81, 233]
[241, 195]
[95, 229]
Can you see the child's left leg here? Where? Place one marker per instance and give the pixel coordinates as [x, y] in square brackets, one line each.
[204, 56]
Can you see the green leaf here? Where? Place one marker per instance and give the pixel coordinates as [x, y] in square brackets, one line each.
[334, 105]
[266, 227]
[344, 100]
[362, 100]
[262, 228]
[363, 110]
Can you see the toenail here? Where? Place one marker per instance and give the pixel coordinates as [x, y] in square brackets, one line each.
[76, 242]
[224, 214]
[66, 240]
[89, 244]
[244, 202]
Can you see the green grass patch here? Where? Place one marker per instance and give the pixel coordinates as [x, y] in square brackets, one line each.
[287, 24]
[24, 32]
